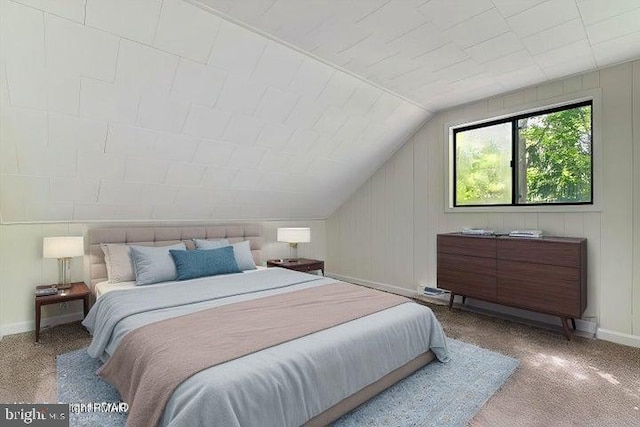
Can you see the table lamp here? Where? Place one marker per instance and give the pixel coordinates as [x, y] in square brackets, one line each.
[63, 248]
[293, 236]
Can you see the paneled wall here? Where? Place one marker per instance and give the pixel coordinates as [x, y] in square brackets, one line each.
[22, 266]
[386, 232]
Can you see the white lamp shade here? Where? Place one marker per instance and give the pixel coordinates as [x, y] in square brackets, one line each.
[294, 235]
[62, 247]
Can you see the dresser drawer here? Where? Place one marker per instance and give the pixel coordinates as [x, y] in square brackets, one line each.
[476, 246]
[549, 289]
[539, 251]
[469, 276]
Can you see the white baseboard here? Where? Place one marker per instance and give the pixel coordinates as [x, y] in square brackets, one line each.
[376, 285]
[587, 326]
[17, 328]
[618, 337]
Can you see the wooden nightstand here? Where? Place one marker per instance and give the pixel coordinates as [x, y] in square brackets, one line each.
[77, 291]
[301, 264]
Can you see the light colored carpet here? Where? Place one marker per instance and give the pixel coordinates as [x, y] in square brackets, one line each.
[438, 395]
[582, 382]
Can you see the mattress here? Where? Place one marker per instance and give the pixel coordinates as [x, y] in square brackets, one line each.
[284, 385]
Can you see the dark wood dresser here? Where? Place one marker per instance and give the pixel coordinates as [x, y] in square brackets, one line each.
[547, 275]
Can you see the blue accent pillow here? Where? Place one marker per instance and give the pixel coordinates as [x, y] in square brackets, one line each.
[153, 264]
[204, 262]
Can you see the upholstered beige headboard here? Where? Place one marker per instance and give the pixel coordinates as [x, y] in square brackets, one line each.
[162, 236]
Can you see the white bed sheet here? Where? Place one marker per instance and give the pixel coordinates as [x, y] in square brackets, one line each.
[103, 287]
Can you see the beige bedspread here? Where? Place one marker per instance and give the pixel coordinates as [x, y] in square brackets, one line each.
[153, 360]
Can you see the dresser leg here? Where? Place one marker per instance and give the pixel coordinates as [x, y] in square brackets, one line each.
[573, 323]
[565, 328]
[451, 300]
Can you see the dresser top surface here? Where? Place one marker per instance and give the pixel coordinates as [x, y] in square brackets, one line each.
[530, 239]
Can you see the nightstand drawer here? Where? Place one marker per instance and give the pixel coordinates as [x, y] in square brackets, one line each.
[302, 264]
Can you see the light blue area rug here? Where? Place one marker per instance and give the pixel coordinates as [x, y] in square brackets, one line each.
[440, 394]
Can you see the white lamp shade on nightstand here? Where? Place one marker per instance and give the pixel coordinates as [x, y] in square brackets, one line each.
[294, 235]
[62, 247]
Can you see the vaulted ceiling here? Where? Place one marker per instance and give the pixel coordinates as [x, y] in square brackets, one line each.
[441, 53]
[256, 109]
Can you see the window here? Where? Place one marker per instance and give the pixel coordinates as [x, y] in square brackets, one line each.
[532, 159]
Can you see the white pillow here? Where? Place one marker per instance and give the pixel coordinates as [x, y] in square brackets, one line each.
[154, 264]
[210, 244]
[244, 258]
[117, 257]
[241, 251]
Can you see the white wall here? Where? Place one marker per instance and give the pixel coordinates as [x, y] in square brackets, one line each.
[386, 232]
[2, 281]
[22, 266]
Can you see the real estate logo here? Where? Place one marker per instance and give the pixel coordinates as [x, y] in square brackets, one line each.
[37, 415]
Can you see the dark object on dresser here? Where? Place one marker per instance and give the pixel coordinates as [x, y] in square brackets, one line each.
[547, 275]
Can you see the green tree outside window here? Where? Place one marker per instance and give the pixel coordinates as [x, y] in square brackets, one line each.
[551, 153]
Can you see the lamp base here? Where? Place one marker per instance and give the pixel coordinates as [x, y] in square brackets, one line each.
[64, 273]
[293, 252]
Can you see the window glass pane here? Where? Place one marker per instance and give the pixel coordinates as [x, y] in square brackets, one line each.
[554, 160]
[483, 171]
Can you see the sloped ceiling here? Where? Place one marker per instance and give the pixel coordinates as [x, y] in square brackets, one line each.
[170, 110]
[150, 110]
[441, 53]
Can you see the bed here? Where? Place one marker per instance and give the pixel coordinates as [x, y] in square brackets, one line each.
[311, 379]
